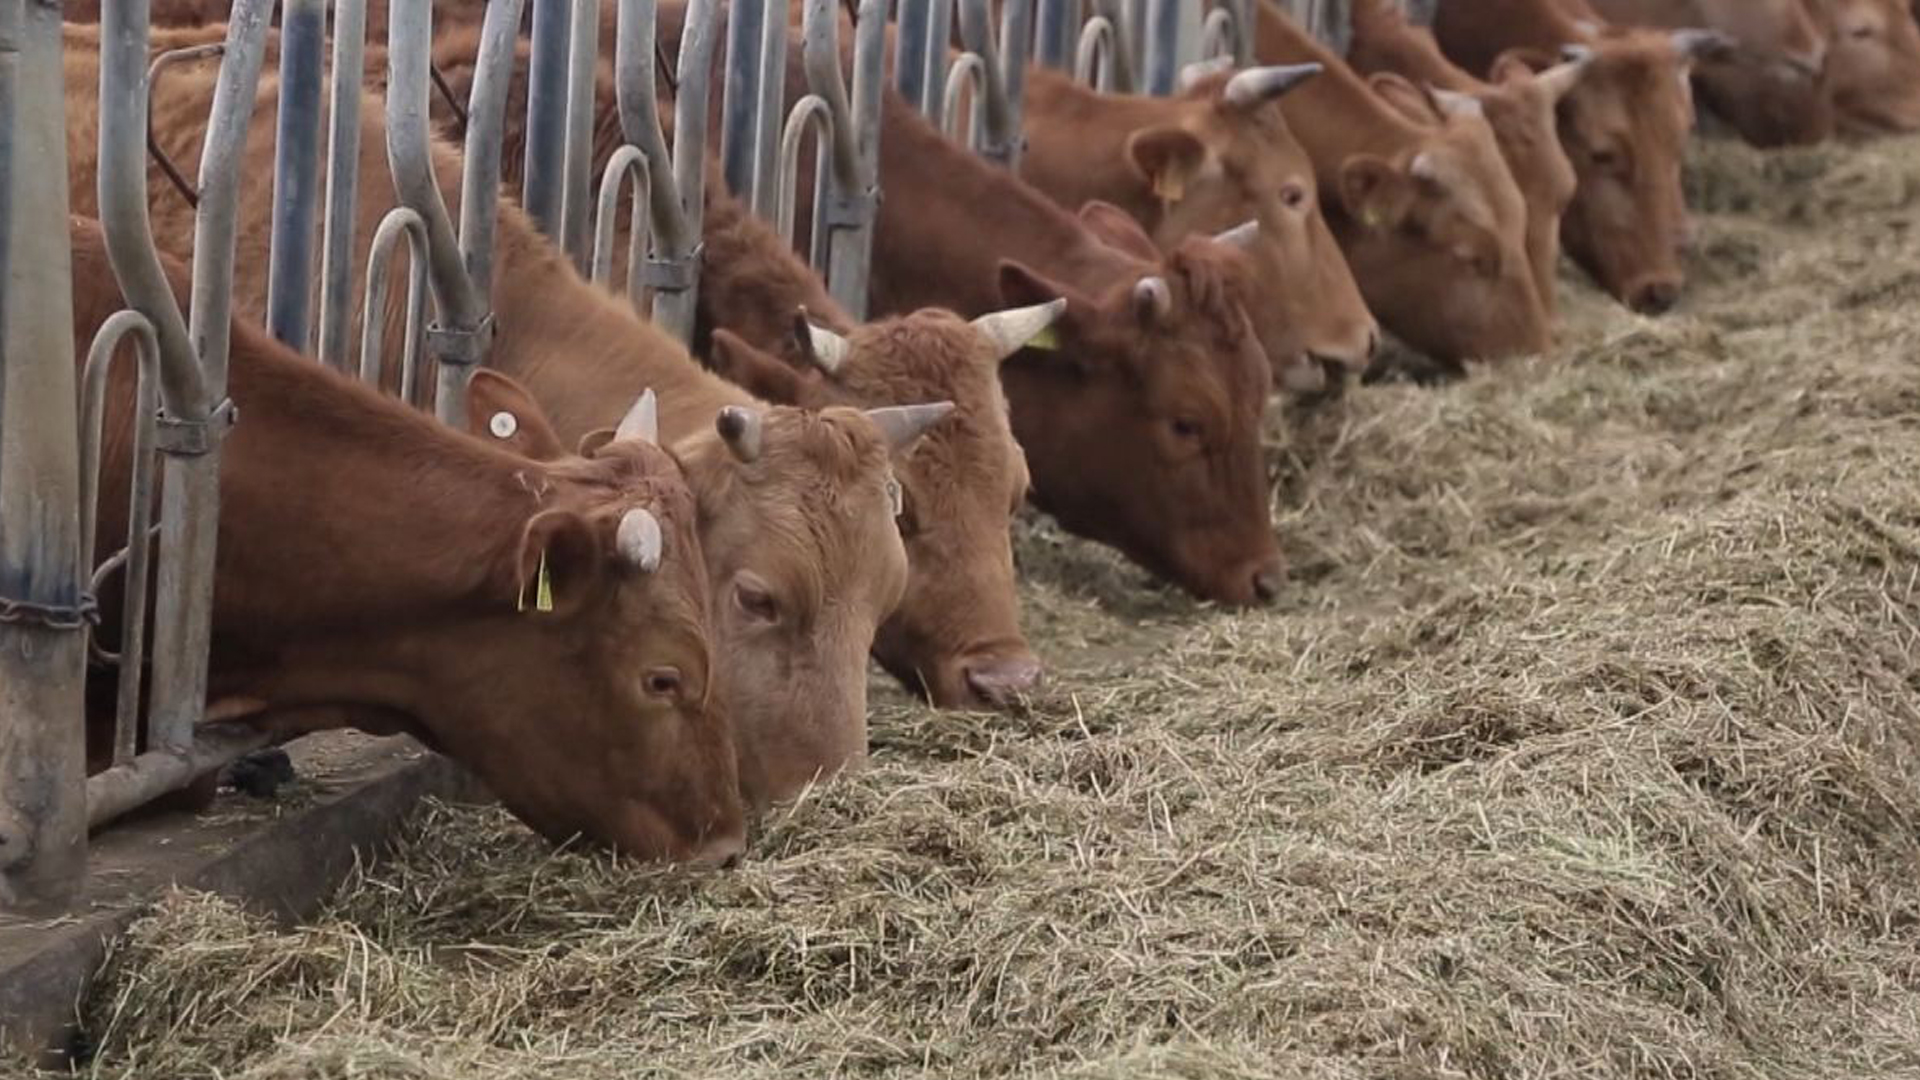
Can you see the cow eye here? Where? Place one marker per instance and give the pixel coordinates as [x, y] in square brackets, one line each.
[1293, 196]
[663, 682]
[756, 601]
[1186, 429]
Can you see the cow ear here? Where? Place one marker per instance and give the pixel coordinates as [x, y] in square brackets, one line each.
[592, 441]
[1374, 192]
[1117, 229]
[500, 411]
[1167, 158]
[1404, 98]
[558, 565]
[759, 373]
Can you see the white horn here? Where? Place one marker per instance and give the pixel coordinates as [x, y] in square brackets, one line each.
[1701, 44]
[1201, 69]
[826, 349]
[740, 429]
[1010, 330]
[1152, 300]
[1455, 103]
[1255, 85]
[639, 540]
[1576, 54]
[1563, 77]
[642, 421]
[1241, 236]
[902, 424]
[1422, 168]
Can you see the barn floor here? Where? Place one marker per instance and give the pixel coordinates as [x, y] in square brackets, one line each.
[1583, 744]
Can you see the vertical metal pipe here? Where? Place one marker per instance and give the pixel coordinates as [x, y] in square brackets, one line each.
[1054, 33]
[741, 97]
[486, 119]
[546, 114]
[296, 173]
[1162, 46]
[770, 124]
[850, 256]
[910, 50]
[1000, 144]
[1016, 43]
[42, 668]
[343, 172]
[939, 43]
[1336, 25]
[577, 185]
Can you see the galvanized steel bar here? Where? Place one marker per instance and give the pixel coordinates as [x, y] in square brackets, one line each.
[122, 326]
[770, 124]
[1219, 35]
[1162, 57]
[674, 272]
[843, 232]
[1016, 50]
[486, 121]
[540, 191]
[939, 41]
[296, 173]
[42, 666]
[741, 97]
[913, 18]
[627, 169]
[343, 173]
[156, 772]
[577, 187]
[810, 112]
[400, 224]
[1001, 141]
[1096, 59]
[459, 338]
[1054, 32]
[969, 72]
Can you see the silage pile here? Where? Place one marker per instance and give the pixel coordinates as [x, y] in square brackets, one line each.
[1584, 744]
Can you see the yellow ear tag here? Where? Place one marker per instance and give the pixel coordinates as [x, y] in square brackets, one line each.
[1370, 217]
[1046, 339]
[543, 588]
[1169, 185]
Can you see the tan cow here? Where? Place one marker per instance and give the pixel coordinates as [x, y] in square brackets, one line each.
[375, 566]
[1625, 127]
[1873, 66]
[795, 508]
[1429, 215]
[1771, 85]
[1518, 104]
[1206, 161]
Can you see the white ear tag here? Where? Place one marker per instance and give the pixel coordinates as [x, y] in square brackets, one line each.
[503, 425]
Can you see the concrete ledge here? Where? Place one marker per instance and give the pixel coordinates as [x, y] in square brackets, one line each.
[281, 857]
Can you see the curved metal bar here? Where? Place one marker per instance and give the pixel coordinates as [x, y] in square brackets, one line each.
[967, 68]
[461, 334]
[1219, 35]
[119, 327]
[122, 192]
[821, 49]
[401, 223]
[221, 168]
[976, 32]
[154, 70]
[627, 168]
[575, 185]
[343, 174]
[486, 119]
[810, 111]
[1124, 71]
[1095, 61]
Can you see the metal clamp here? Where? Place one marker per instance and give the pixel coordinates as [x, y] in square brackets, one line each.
[76, 616]
[849, 211]
[673, 275]
[194, 438]
[458, 345]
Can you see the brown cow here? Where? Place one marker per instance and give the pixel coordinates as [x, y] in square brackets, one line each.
[373, 564]
[1518, 104]
[1770, 87]
[1428, 213]
[795, 510]
[1625, 126]
[1215, 156]
[1873, 66]
[956, 635]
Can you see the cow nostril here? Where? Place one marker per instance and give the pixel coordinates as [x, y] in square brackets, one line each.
[1655, 297]
[999, 682]
[1267, 581]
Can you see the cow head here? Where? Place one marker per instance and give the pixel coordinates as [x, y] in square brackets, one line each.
[1625, 126]
[1771, 85]
[1436, 235]
[585, 698]
[1219, 156]
[1873, 66]
[1520, 106]
[1141, 416]
[956, 635]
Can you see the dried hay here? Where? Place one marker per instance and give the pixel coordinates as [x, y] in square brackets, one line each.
[1583, 744]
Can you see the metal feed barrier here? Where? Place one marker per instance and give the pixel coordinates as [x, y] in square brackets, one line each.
[50, 464]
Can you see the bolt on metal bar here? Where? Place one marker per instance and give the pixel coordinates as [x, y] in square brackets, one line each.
[486, 120]
[741, 97]
[42, 670]
[296, 173]
[540, 191]
[121, 327]
[400, 224]
[626, 170]
[1097, 57]
[577, 188]
[343, 170]
[1162, 59]
[810, 112]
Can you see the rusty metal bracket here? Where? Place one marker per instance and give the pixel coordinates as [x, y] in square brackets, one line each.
[460, 346]
[194, 438]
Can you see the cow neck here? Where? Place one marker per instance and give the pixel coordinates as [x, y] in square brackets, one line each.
[1411, 50]
[1094, 128]
[1495, 26]
[952, 217]
[582, 352]
[1334, 114]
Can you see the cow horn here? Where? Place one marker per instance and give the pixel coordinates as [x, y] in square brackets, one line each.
[1455, 103]
[639, 540]
[1701, 44]
[1201, 69]
[1564, 76]
[642, 421]
[740, 429]
[1421, 168]
[1576, 54]
[1152, 300]
[1010, 330]
[1241, 236]
[826, 349]
[1255, 85]
[902, 424]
